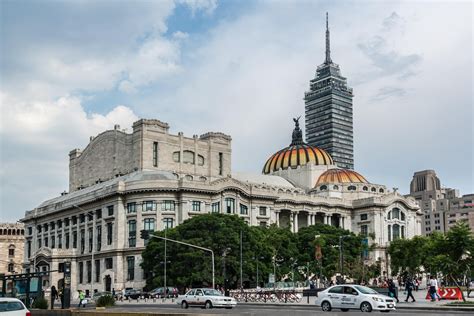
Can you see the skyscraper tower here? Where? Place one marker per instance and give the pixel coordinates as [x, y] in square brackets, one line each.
[328, 111]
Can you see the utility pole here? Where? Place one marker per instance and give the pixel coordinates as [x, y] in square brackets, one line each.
[165, 288]
[241, 287]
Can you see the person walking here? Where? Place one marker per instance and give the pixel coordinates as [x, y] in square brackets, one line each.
[392, 290]
[54, 296]
[433, 288]
[61, 297]
[82, 298]
[409, 286]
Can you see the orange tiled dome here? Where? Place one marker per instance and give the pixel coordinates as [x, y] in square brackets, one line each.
[297, 154]
[341, 176]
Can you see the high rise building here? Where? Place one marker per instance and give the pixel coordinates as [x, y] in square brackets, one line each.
[442, 207]
[328, 109]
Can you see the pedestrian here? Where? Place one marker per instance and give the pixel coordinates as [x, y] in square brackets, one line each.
[123, 295]
[61, 297]
[433, 288]
[409, 287]
[392, 290]
[417, 284]
[470, 287]
[113, 293]
[82, 298]
[54, 296]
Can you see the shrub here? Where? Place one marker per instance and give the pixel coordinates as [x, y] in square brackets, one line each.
[40, 303]
[105, 300]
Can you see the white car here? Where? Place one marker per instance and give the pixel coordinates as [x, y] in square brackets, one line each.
[12, 307]
[349, 296]
[205, 298]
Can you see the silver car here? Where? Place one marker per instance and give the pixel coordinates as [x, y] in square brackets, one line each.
[205, 298]
[349, 296]
[13, 307]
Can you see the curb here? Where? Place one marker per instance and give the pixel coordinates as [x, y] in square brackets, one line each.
[433, 308]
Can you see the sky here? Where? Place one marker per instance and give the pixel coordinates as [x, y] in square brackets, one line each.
[72, 69]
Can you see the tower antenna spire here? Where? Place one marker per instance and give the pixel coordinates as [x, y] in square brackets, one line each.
[328, 46]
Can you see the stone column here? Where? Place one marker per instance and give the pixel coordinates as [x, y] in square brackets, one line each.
[277, 218]
[309, 220]
[328, 219]
[296, 222]
[341, 222]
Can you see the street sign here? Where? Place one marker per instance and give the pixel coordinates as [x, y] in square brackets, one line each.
[271, 278]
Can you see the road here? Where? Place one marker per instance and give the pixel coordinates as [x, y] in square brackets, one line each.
[249, 310]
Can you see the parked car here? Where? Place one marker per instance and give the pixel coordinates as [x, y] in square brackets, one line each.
[13, 307]
[159, 292]
[205, 298]
[349, 296]
[135, 294]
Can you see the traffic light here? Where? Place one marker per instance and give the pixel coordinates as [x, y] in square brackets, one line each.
[144, 234]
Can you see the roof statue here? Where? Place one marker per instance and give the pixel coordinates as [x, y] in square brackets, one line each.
[297, 136]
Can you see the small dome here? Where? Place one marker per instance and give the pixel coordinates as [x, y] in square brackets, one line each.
[297, 154]
[337, 175]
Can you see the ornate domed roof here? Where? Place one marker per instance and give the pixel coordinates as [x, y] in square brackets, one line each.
[337, 175]
[297, 154]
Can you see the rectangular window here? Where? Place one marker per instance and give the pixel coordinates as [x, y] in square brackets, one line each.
[91, 238]
[263, 224]
[39, 243]
[99, 237]
[90, 216]
[196, 206]
[110, 210]
[82, 218]
[221, 167]
[97, 271]
[60, 241]
[30, 230]
[52, 225]
[83, 240]
[46, 243]
[38, 228]
[98, 214]
[109, 263]
[215, 207]
[53, 241]
[59, 223]
[363, 217]
[89, 271]
[132, 233]
[74, 220]
[81, 272]
[130, 268]
[364, 230]
[67, 240]
[131, 207]
[74, 239]
[262, 211]
[244, 209]
[11, 252]
[149, 224]
[167, 223]
[28, 249]
[167, 206]
[66, 222]
[45, 226]
[230, 205]
[149, 206]
[109, 233]
[155, 154]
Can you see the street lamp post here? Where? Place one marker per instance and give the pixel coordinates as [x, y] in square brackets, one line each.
[341, 255]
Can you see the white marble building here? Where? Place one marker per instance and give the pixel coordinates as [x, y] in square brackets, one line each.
[149, 179]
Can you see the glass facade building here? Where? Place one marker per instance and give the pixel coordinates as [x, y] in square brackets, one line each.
[328, 112]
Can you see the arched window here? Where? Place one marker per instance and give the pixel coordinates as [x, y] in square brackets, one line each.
[176, 156]
[365, 188]
[403, 231]
[189, 177]
[200, 160]
[389, 216]
[402, 216]
[335, 187]
[11, 267]
[396, 213]
[351, 188]
[389, 229]
[396, 231]
[373, 190]
[381, 190]
[202, 178]
[323, 187]
[188, 157]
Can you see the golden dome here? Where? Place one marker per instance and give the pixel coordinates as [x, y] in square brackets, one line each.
[337, 175]
[297, 154]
